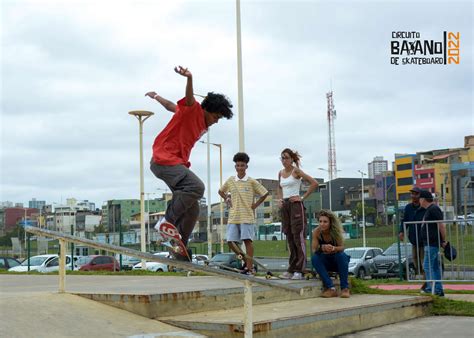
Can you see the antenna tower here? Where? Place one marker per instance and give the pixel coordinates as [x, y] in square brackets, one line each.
[332, 168]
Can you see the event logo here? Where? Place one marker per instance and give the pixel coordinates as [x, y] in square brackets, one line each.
[407, 48]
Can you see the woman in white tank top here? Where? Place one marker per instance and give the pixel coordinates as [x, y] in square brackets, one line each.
[293, 218]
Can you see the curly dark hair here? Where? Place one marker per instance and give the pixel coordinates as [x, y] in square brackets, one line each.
[295, 156]
[217, 103]
[241, 157]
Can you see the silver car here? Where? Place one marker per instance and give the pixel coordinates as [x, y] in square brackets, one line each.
[362, 262]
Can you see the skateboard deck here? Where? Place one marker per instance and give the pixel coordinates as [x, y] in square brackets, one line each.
[170, 234]
[243, 256]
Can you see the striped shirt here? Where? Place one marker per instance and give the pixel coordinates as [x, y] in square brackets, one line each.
[243, 192]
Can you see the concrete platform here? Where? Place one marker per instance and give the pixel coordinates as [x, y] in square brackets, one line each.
[308, 317]
[160, 302]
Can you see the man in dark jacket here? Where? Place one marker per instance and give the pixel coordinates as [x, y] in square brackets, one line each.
[434, 237]
[414, 212]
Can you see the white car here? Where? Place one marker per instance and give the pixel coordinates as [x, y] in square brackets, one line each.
[53, 264]
[154, 266]
[199, 259]
[36, 262]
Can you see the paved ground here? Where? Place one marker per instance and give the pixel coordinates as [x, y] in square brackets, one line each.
[31, 307]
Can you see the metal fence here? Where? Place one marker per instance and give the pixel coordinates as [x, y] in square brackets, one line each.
[460, 235]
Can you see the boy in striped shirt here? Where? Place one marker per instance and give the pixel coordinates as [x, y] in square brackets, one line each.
[240, 192]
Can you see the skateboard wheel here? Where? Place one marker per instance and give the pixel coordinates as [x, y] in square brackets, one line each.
[240, 257]
[267, 276]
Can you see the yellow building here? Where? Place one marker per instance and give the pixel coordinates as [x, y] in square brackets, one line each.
[404, 175]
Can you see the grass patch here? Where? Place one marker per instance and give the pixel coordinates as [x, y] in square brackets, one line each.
[448, 307]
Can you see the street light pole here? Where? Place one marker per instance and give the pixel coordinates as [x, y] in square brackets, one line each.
[221, 200]
[142, 116]
[363, 208]
[209, 209]
[240, 90]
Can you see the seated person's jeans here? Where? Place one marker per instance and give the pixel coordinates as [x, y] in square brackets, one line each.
[338, 262]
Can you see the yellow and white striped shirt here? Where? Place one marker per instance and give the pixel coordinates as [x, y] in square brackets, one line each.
[243, 192]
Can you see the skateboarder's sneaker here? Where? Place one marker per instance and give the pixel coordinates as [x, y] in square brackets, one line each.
[157, 225]
[297, 276]
[286, 275]
[246, 271]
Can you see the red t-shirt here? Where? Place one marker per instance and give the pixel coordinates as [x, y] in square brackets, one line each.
[173, 145]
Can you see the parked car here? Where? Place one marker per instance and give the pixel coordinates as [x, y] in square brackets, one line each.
[36, 262]
[362, 260]
[387, 265]
[154, 266]
[200, 259]
[96, 262]
[228, 259]
[128, 262]
[367, 224]
[53, 264]
[8, 262]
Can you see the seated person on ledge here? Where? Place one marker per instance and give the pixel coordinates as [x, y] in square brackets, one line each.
[329, 255]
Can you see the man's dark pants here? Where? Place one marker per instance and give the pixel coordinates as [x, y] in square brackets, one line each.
[187, 189]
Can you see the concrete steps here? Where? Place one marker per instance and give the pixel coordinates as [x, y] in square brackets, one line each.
[316, 317]
[154, 305]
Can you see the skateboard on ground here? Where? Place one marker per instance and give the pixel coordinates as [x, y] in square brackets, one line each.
[170, 234]
[243, 257]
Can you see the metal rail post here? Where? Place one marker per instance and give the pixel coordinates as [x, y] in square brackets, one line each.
[62, 265]
[248, 320]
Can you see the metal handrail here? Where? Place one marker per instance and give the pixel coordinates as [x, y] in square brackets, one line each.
[248, 322]
[160, 259]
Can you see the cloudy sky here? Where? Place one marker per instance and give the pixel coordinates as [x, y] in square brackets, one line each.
[71, 71]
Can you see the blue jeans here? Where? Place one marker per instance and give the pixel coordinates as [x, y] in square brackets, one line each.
[338, 262]
[432, 268]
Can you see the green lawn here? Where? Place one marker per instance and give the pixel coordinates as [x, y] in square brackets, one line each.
[381, 236]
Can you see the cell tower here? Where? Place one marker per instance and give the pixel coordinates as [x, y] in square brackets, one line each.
[332, 168]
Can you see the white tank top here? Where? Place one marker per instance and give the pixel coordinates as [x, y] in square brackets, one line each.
[290, 186]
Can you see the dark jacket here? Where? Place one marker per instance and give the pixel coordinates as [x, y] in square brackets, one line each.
[430, 231]
[412, 214]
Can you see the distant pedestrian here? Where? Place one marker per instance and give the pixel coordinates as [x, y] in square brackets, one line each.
[434, 237]
[293, 216]
[172, 148]
[240, 192]
[328, 254]
[414, 212]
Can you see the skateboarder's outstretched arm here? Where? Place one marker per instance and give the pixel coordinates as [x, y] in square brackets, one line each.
[189, 84]
[170, 106]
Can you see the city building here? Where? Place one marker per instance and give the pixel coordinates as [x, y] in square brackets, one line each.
[404, 176]
[377, 166]
[36, 204]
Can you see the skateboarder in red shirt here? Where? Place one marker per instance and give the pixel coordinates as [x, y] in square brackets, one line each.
[172, 148]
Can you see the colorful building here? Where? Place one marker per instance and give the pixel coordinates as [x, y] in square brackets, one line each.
[404, 175]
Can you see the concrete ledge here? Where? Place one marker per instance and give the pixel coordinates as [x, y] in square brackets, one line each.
[186, 302]
[309, 317]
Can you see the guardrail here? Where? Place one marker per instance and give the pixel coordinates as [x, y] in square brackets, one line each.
[460, 234]
[65, 238]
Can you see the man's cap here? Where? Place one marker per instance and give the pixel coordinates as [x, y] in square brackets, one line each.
[425, 194]
[415, 189]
